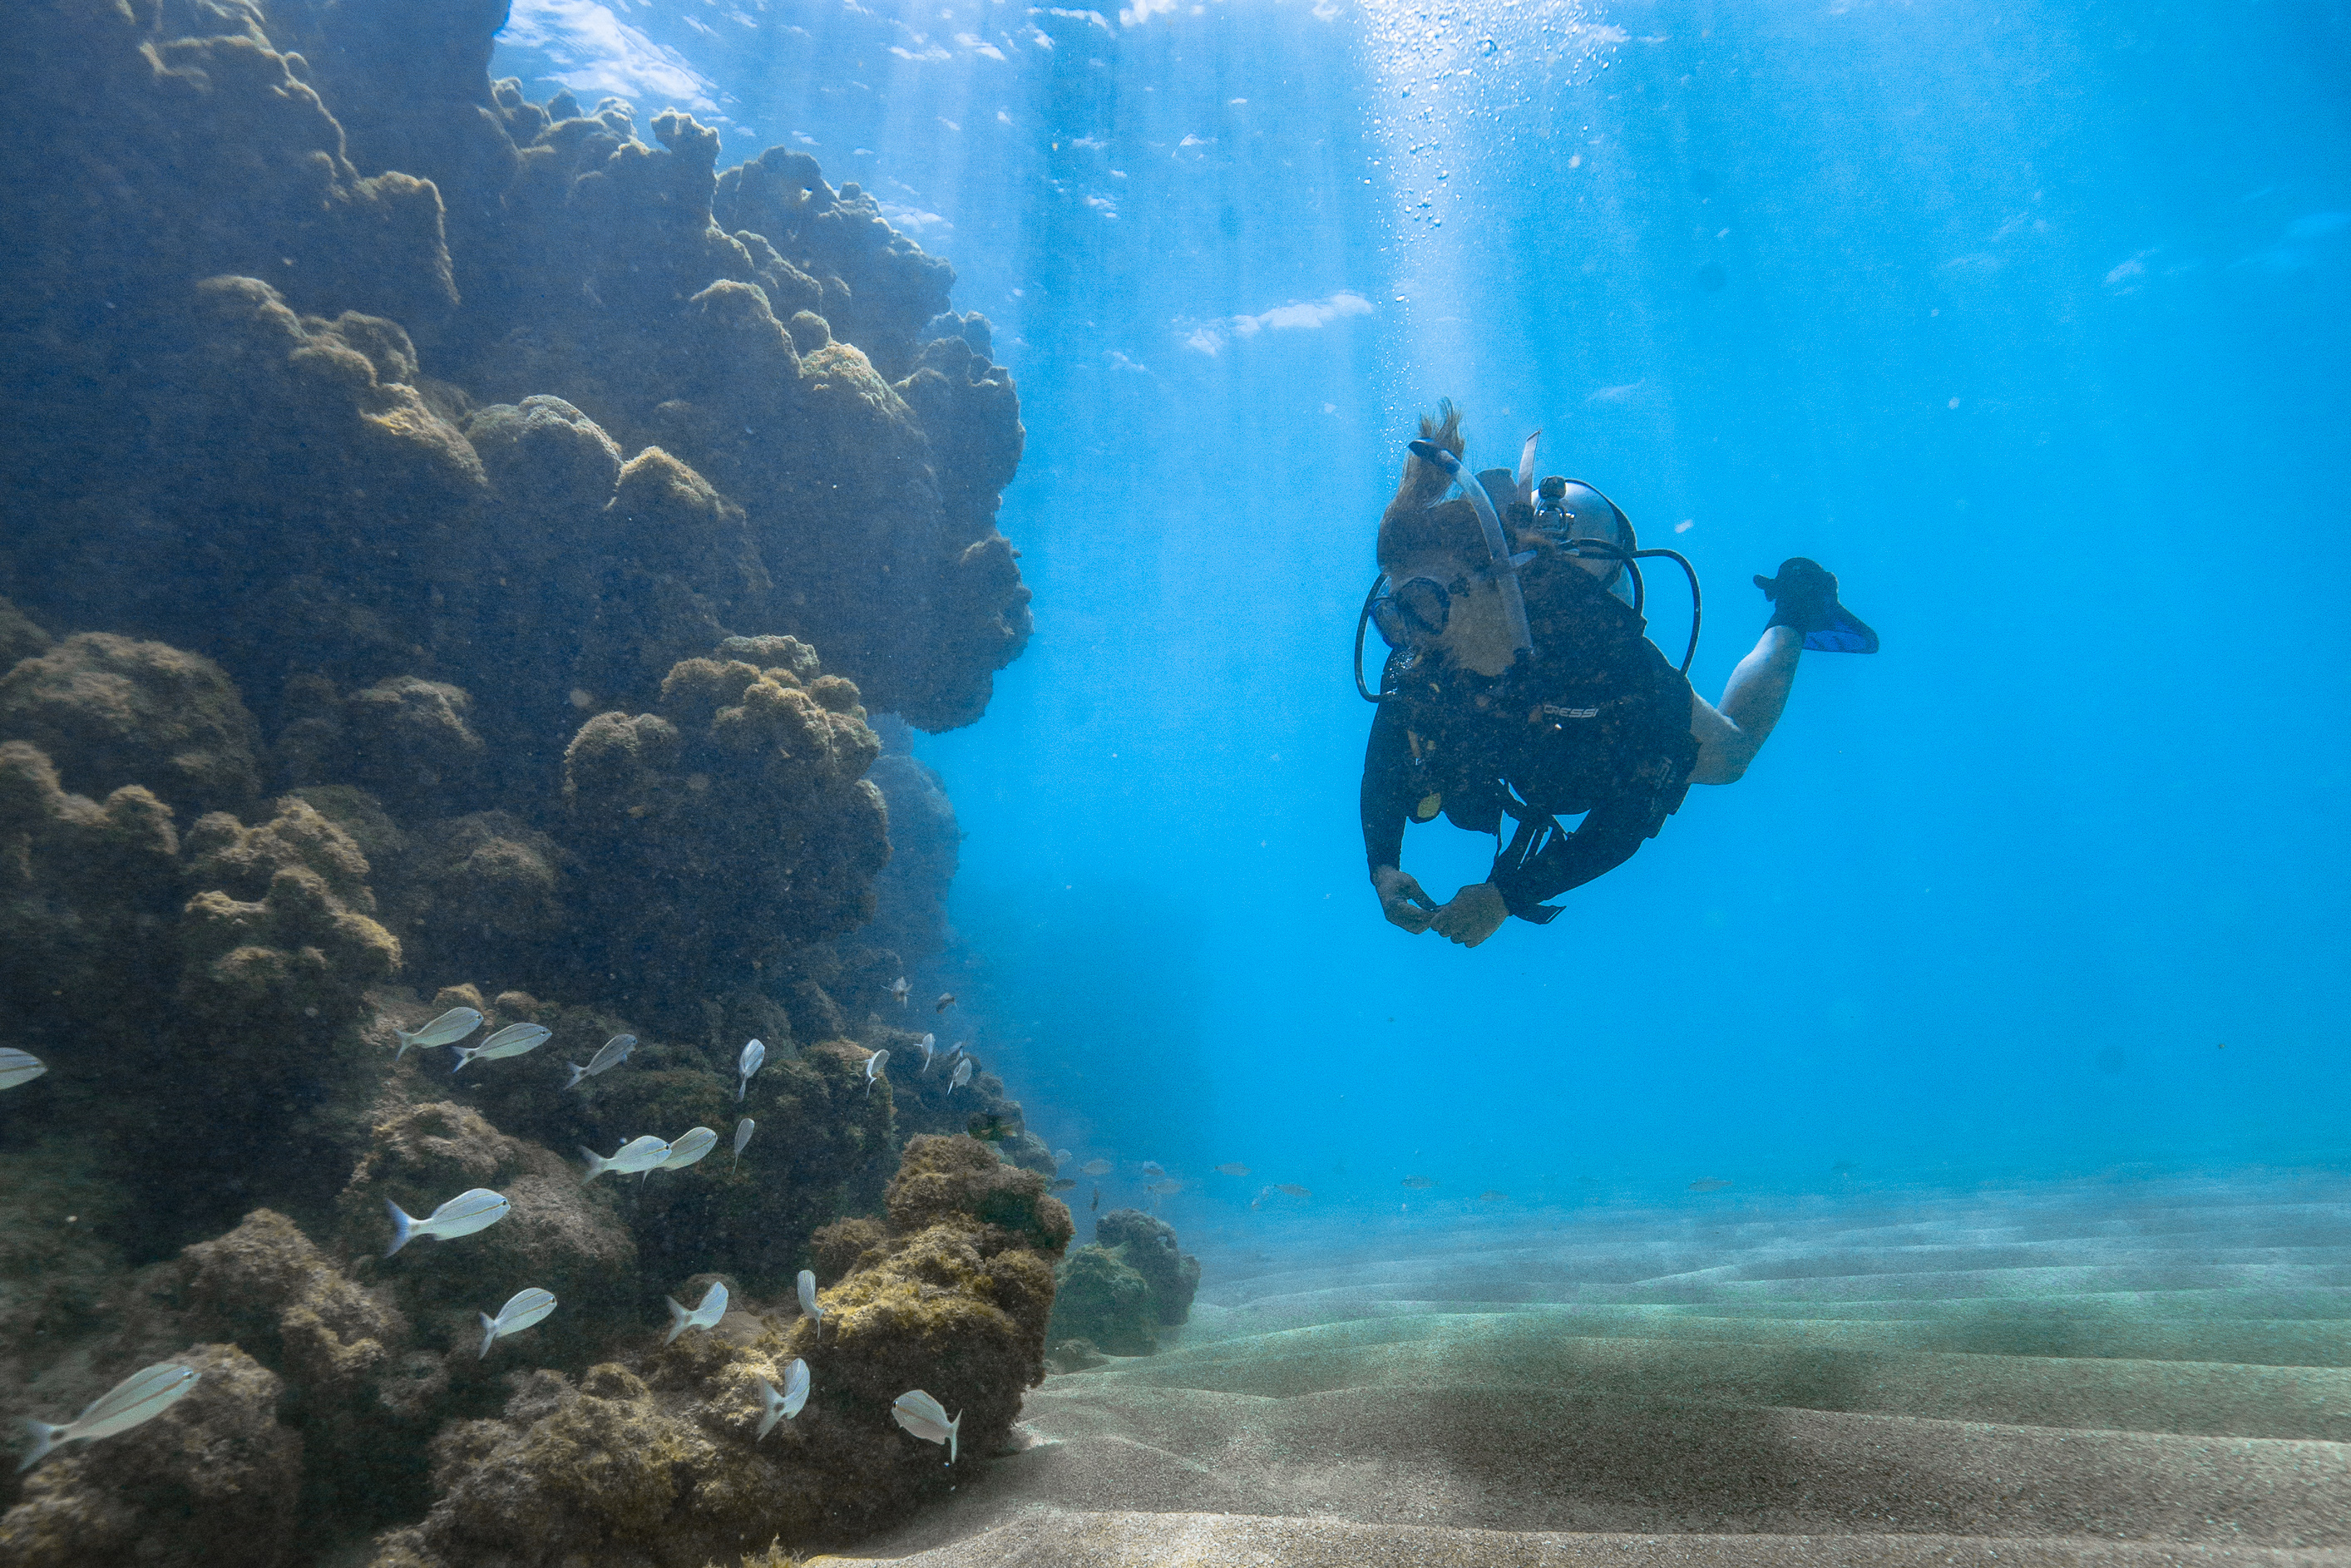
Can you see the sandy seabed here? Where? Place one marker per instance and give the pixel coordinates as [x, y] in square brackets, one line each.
[2115, 1372]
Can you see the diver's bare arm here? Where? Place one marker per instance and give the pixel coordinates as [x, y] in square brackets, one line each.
[1752, 700]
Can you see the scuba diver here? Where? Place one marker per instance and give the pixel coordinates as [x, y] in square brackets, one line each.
[1521, 684]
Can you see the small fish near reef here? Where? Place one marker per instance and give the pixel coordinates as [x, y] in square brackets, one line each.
[1232, 1168]
[743, 1131]
[469, 1211]
[687, 1147]
[637, 1154]
[523, 1309]
[1153, 1169]
[451, 1026]
[873, 1065]
[1060, 1157]
[514, 1040]
[1293, 1190]
[961, 1075]
[783, 1407]
[926, 1418]
[946, 1000]
[754, 1053]
[707, 1315]
[900, 990]
[1096, 1206]
[988, 1128]
[137, 1399]
[1420, 1183]
[1709, 1184]
[1490, 1196]
[930, 1044]
[1064, 1184]
[19, 1067]
[615, 1051]
[1094, 1167]
[808, 1299]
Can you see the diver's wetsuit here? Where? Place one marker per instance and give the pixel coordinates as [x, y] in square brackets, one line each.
[1598, 722]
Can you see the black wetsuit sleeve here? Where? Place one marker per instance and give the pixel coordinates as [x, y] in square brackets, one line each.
[1386, 799]
[1605, 839]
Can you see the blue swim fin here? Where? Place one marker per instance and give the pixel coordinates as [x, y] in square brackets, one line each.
[1804, 596]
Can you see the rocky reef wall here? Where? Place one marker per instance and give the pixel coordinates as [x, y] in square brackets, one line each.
[460, 553]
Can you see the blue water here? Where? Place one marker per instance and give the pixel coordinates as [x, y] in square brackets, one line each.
[2030, 321]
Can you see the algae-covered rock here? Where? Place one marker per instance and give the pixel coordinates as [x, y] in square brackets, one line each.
[19, 637]
[282, 940]
[86, 889]
[1098, 1298]
[734, 823]
[560, 1235]
[213, 1480]
[476, 893]
[267, 1287]
[113, 710]
[1146, 1245]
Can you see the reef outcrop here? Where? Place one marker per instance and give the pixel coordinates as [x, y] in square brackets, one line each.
[465, 554]
[660, 1458]
[215, 1479]
[1116, 1294]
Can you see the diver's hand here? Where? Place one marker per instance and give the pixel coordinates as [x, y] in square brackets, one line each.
[1476, 913]
[1399, 893]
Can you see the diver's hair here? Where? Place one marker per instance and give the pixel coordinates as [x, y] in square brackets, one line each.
[1411, 525]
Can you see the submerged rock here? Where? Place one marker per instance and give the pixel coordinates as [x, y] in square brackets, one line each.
[214, 1478]
[1133, 1281]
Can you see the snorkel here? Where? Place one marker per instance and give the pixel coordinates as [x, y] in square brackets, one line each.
[1501, 569]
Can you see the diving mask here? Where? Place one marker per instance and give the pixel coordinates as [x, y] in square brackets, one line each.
[1414, 612]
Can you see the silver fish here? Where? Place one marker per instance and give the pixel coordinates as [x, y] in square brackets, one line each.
[961, 1075]
[747, 1063]
[514, 1040]
[1095, 1167]
[808, 1299]
[707, 1315]
[783, 1407]
[1164, 1189]
[452, 1025]
[689, 1147]
[478, 1209]
[141, 1396]
[522, 1309]
[946, 1000]
[1064, 1184]
[615, 1051]
[637, 1154]
[1060, 1156]
[743, 1131]
[899, 988]
[930, 1049]
[926, 1418]
[18, 1067]
[873, 1065]
[1153, 1167]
